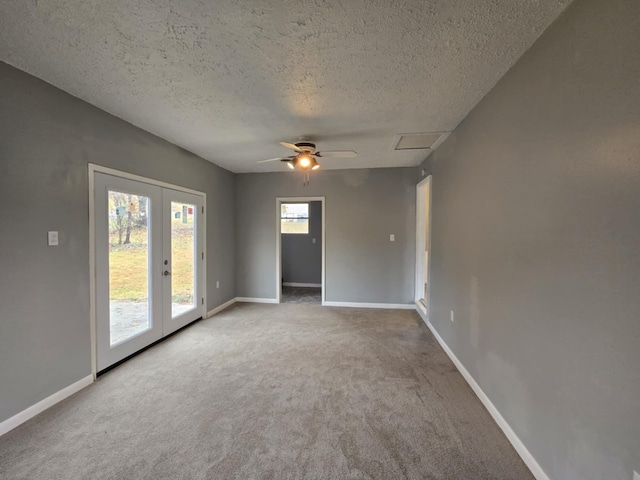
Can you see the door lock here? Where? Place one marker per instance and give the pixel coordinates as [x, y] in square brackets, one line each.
[166, 273]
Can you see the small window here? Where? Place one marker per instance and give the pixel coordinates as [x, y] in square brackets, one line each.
[294, 218]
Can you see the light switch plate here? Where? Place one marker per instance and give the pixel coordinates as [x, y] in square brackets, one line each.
[392, 238]
[52, 238]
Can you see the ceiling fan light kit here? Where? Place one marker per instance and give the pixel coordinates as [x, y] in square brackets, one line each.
[306, 158]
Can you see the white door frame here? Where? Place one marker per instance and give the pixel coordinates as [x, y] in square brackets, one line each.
[93, 169]
[279, 201]
[421, 243]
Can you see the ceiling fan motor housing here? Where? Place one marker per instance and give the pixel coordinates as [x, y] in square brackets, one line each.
[307, 147]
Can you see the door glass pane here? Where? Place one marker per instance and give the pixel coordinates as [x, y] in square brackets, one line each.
[183, 251]
[128, 265]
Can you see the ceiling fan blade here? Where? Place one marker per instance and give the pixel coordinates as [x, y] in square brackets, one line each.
[290, 145]
[271, 160]
[338, 153]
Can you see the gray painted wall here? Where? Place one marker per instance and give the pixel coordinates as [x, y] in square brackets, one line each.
[362, 208]
[536, 243]
[47, 138]
[301, 258]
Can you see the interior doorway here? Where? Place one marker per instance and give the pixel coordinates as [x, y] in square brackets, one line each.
[300, 255]
[423, 244]
[148, 263]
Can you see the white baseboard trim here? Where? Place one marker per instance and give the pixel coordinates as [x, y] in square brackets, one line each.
[222, 307]
[295, 284]
[256, 300]
[18, 419]
[394, 306]
[422, 311]
[522, 450]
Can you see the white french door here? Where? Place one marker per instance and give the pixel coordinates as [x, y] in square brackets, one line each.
[183, 259]
[149, 264]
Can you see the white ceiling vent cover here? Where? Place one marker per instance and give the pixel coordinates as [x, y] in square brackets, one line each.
[419, 141]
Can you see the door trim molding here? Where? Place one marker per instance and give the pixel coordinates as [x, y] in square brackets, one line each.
[138, 178]
[279, 201]
[93, 318]
[92, 170]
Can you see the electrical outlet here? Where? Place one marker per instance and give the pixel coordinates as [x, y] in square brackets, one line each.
[452, 315]
[218, 284]
[636, 475]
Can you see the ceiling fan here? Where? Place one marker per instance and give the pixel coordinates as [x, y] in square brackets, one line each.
[307, 155]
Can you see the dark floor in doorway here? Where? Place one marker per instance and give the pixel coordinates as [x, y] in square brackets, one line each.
[301, 295]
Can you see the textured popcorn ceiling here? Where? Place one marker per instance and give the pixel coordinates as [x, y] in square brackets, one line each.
[229, 79]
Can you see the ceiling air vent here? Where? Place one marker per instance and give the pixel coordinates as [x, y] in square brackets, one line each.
[419, 141]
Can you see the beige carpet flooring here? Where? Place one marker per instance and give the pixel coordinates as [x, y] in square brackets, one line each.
[273, 392]
[301, 295]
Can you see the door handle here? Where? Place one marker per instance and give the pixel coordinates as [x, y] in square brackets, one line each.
[166, 273]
